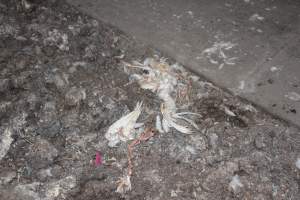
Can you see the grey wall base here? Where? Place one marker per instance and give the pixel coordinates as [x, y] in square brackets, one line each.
[250, 47]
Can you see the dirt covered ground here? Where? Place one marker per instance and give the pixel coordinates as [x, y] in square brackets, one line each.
[64, 81]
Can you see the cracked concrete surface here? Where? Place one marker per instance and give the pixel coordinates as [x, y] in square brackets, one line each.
[261, 66]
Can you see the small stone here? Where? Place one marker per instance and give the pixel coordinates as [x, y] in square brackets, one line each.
[4, 85]
[246, 165]
[72, 69]
[49, 50]
[298, 163]
[58, 81]
[48, 113]
[21, 38]
[293, 96]
[51, 129]
[43, 174]
[5, 142]
[4, 107]
[27, 5]
[27, 191]
[235, 184]
[32, 100]
[21, 81]
[74, 96]
[60, 187]
[49, 106]
[220, 175]
[198, 142]
[38, 50]
[191, 149]
[213, 140]
[41, 154]
[259, 142]
[7, 177]
[21, 64]
[260, 197]
[173, 193]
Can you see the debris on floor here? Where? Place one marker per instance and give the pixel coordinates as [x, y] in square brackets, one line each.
[5, 142]
[216, 54]
[298, 163]
[71, 89]
[235, 184]
[98, 159]
[293, 96]
[256, 17]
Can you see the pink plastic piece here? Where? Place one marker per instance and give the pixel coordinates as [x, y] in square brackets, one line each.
[98, 159]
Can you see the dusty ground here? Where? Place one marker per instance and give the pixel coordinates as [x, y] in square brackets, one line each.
[62, 84]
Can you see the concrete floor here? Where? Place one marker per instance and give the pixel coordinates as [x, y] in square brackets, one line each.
[250, 47]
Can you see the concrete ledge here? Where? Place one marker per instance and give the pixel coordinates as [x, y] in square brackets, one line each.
[249, 47]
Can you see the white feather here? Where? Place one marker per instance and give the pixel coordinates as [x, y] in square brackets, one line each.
[187, 120]
[158, 125]
[180, 128]
[166, 125]
[229, 112]
[121, 130]
[188, 113]
[169, 121]
[5, 142]
[169, 103]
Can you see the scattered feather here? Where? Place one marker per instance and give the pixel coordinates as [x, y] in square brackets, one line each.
[178, 116]
[169, 102]
[171, 120]
[189, 113]
[121, 130]
[249, 107]
[229, 112]
[294, 96]
[256, 17]
[179, 128]
[124, 184]
[178, 67]
[235, 183]
[217, 56]
[221, 66]
[138, 125]
[194, 78]
[274, 69]
[5, 142]
[158, 125]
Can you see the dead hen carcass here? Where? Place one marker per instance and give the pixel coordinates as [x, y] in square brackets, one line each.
[162, 79]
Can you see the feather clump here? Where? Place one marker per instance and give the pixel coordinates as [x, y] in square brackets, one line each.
[172, 119]
[124, 184]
